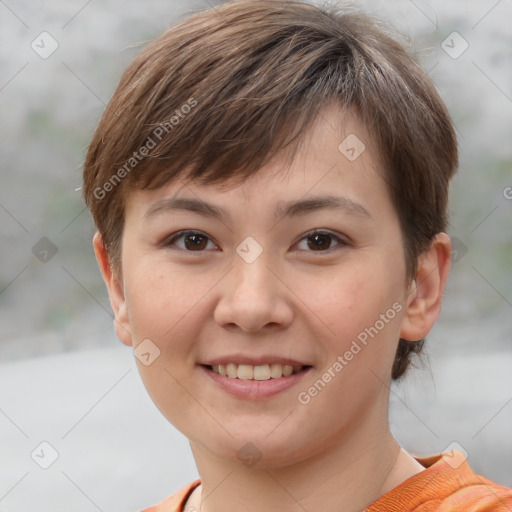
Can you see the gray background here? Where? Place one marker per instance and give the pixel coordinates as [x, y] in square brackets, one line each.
[66, 380]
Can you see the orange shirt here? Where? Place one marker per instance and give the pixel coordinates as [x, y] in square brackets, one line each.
[447, 485]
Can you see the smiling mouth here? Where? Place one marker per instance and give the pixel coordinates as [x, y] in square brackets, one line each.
[259, 372]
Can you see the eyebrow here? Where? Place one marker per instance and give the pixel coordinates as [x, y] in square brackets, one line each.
[284, 208]
[303, 206]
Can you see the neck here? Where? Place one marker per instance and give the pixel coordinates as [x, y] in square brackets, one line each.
[346, 476]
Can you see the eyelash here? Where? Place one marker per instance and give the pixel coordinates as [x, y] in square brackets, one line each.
[340, 241]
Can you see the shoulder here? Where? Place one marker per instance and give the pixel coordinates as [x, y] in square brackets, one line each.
[447, 484]
[176, 502]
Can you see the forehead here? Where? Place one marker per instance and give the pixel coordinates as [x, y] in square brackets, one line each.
[335, 154]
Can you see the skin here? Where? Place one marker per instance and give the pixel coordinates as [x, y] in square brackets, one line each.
[294, 300]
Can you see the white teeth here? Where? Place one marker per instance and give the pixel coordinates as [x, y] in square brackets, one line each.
[219, 368]
[245, 372]
[262, 372]
[287, 370]
[231, 370]
[276, 370]
[259, 372]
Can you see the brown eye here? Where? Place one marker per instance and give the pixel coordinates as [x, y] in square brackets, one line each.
[191, 241]
[320, 241]
[195, 242]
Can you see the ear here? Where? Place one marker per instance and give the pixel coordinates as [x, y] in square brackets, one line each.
[115, 292]
[423, 303]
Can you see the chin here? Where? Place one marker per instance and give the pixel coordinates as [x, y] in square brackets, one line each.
[258, 449]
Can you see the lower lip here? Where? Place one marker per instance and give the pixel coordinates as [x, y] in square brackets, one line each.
[255, 389]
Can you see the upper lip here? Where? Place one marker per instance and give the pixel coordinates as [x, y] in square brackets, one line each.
[253, 360]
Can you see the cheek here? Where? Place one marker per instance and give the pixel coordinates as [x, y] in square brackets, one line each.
[162, 303]
[363, 315]
[165, 307]
[359, 304]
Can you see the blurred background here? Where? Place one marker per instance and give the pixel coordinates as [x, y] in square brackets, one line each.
[66, 381]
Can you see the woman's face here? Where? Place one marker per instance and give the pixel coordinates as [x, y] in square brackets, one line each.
[298, 270]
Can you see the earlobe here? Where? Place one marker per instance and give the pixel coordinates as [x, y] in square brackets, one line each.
[423, 302]
[115, 292]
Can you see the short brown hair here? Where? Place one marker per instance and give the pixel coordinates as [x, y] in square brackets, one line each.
[225, 90]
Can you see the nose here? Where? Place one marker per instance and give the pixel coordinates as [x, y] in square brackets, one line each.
[253, 298]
